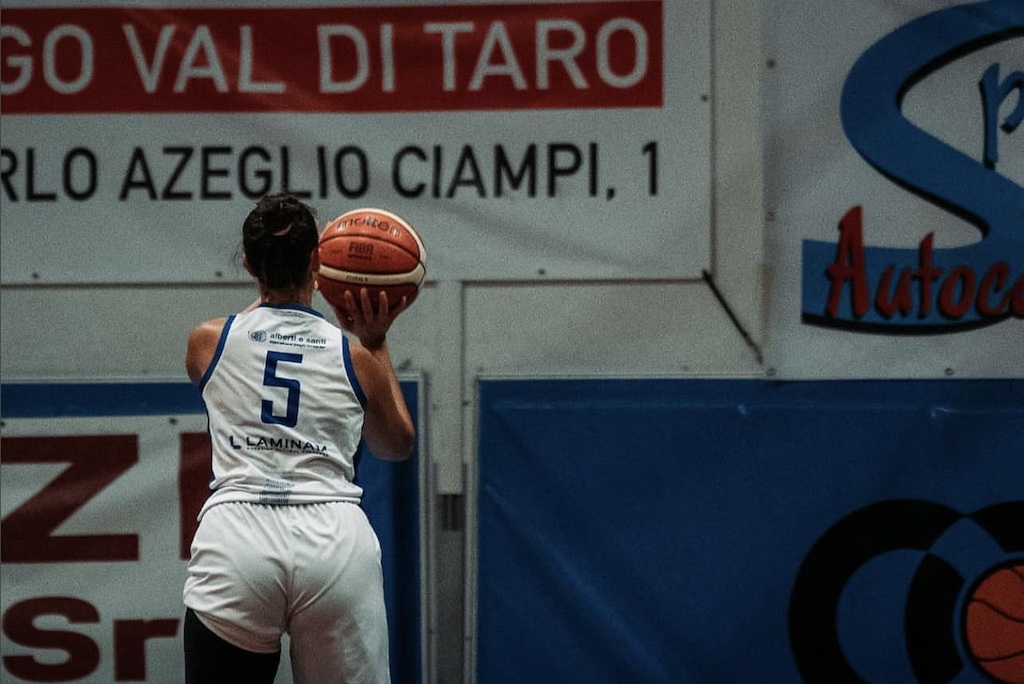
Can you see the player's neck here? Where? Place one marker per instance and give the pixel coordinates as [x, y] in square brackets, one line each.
[288, 295]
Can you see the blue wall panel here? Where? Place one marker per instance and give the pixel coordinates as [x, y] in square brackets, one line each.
[734, 531]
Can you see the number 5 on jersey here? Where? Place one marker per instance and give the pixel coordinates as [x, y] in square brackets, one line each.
[272, 379]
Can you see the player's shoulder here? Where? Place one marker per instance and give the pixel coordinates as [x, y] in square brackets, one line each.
[202, 345]
[206, 334]
[211, 327]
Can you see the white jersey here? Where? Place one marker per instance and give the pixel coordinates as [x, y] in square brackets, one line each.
[285, 410]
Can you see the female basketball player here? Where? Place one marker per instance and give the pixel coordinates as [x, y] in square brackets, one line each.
[282, 544]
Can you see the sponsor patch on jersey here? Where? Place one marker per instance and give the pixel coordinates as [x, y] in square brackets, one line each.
[283, 444]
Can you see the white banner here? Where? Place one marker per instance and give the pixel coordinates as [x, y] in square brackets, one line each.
[102, 486]
[524, 140]
[95, 515]
[896, 188]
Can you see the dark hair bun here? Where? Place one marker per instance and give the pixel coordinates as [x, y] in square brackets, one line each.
[278, 237]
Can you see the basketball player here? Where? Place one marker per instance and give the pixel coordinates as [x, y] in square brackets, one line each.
[282, 544]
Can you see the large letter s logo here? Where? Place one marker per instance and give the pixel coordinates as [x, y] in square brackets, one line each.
[976, 284]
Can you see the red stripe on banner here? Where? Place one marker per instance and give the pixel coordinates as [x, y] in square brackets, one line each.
[337, 59]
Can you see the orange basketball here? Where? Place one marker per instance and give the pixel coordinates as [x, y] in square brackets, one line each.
[994, 624]
[371, 248]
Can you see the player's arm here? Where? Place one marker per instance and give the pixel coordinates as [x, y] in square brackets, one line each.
[202, 344]
[387, 426]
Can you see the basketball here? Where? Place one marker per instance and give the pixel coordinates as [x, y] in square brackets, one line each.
[994, 624]
[371, 248]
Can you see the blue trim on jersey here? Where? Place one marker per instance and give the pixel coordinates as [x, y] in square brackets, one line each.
[356, 458]
[217, 352]
[295, 306]
[350, 370]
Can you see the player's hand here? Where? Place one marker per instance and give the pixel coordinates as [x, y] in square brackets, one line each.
[362, 320]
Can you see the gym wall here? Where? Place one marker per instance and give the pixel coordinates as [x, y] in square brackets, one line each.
[749, 344]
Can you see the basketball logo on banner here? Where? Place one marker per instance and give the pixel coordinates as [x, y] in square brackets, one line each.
[950, 600]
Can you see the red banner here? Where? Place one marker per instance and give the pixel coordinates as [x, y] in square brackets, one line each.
[339, 59]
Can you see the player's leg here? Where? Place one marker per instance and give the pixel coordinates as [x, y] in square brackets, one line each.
[338, 626]
[211, 660]
[236, 593]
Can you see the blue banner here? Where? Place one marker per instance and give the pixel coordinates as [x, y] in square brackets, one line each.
[733, 531]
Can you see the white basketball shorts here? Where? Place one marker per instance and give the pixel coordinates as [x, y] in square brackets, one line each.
[313, 570]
